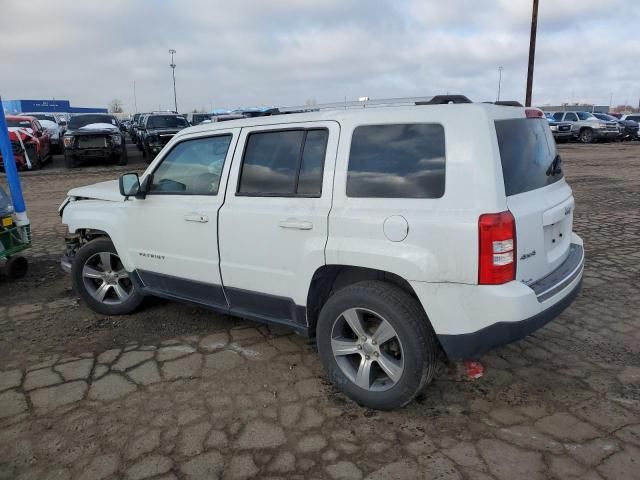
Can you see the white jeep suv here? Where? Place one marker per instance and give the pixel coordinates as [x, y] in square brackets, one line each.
[389, 234]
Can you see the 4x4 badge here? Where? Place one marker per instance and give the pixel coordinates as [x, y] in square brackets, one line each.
[528, 255]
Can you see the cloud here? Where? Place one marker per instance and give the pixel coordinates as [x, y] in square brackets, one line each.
[285, 52]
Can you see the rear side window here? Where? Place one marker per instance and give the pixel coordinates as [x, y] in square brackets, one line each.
[397, 161]
[528, 153]
[284, 163]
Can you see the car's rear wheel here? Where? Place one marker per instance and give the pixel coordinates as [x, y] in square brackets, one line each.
[123, 158]
[376, 344]
[69, 160]
[586, 135]
[101, 280]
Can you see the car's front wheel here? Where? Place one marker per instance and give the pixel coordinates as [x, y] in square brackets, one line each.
[376, 344]
[586, 135]
[101, 280]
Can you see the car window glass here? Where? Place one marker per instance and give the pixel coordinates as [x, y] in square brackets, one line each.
[313, 154]
[192, 167]
[397, 161]
[270, 162]
[558, 115]
[571, 117]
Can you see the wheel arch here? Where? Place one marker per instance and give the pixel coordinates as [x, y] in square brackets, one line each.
[328, 279]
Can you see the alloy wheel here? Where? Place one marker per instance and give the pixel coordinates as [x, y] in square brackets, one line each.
[105, 278]
[367, 349]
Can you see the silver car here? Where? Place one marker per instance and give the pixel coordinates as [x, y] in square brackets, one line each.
[586, 127]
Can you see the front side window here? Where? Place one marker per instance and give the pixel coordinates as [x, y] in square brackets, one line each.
[192, 167]
[585, 116]
[571, 117]
[397, 161]
[284, 163]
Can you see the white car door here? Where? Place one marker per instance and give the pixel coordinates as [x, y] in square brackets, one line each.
[273, 224]
[173, 233]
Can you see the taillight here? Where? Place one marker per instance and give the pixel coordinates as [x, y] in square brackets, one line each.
[497, 240]
[534, 113]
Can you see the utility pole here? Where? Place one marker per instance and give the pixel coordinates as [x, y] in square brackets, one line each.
[532, 52]
[499, 81]
[135, 99]
[173, 70]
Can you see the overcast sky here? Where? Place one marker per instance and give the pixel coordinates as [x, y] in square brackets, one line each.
[285, 52]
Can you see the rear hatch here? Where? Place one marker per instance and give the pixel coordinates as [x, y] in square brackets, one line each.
[538, 196]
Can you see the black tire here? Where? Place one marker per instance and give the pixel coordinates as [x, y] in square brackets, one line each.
[69, 160]
[408, 319]
[16, 267]
[80, 283]
[123, 159]
[586, 136]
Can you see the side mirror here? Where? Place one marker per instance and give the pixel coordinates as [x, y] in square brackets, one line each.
[129, 185]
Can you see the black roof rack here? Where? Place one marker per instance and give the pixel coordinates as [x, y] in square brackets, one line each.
[371, 103]
[508, 103]
[444, 99]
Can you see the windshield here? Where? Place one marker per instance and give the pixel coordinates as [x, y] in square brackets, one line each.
[166, 121]
[42, 116]
[18, 123]
[84, 120]
[585, 115]
[604, 116]
[527, 152]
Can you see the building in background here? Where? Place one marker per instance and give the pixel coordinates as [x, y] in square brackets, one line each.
[576, 107]
[64, 106]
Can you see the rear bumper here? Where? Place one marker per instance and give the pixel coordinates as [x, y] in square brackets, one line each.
[470, 320]
[473, 345]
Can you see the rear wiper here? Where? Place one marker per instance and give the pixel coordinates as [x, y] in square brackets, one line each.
[555, 167]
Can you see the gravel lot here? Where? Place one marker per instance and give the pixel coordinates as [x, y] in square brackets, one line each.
[176, 392]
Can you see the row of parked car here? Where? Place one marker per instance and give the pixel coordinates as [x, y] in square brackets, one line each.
[35, 137]
[589, 127]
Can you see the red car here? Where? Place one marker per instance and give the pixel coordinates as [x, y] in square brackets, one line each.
[28, 138]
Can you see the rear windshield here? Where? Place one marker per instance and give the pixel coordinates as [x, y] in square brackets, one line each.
[166, 121]
[528, 154]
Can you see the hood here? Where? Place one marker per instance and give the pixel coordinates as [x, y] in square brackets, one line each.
[95, 129]
[109, 191]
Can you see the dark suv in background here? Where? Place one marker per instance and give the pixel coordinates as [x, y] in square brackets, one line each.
[93, 135]
[156, 131]
[628, 128]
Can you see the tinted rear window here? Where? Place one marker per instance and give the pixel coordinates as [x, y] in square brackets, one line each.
[527, 150]
[397, 161]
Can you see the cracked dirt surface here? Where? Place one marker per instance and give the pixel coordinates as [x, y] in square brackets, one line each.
[176, 392]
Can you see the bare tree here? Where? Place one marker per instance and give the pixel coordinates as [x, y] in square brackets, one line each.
[115, 106]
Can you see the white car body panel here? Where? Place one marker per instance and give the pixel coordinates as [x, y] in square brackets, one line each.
[274, 245]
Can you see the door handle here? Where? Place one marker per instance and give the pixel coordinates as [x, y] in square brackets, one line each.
[295, 224]
[196, 217]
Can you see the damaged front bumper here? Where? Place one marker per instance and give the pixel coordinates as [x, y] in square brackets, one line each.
[72, 245]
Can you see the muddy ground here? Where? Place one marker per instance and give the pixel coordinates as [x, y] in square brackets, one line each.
[192, 394]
